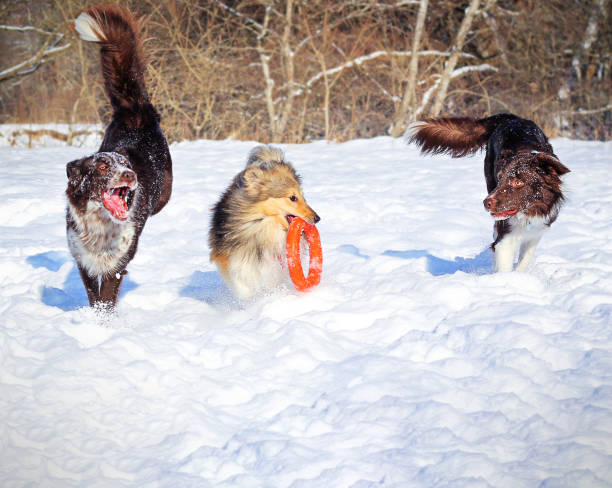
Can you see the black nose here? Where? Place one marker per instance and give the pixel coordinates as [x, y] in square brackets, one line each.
[490, 203]
[316, 218]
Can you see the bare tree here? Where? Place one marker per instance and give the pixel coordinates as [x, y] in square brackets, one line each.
[265, 67]
[574, 76]
[403, 114]
[466, 23]
[298, 70]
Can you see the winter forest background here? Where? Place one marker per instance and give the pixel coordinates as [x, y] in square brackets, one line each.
[411, 364]
[301, 70]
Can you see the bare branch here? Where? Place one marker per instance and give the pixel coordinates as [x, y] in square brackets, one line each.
[376, 54]
[582, 111]
[455, 74]
[259, 27]
[452, 61]
[28, 28]
[494, 28]
[32, 64]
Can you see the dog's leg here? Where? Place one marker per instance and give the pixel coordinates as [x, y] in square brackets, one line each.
[109, 288]
[503, 246]
[243, 278]
[526, 253]
[505, 250]
[241, 284]
[91, 285]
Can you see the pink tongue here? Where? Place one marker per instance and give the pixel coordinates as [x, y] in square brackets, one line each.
[115, 204]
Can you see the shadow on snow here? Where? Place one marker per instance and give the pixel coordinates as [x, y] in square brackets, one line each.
[72, 295]
[480, 264]
[208, 287]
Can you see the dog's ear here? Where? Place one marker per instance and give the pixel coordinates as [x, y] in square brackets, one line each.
[251, 176]
[124, 152]
[73, 170]
[551, 164]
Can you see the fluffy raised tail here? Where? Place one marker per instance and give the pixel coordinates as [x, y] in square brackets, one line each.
[457, 136]
[122, 56]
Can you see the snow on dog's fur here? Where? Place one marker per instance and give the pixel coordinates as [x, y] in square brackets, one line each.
[113, 192]
[249, 224]
[521, 171]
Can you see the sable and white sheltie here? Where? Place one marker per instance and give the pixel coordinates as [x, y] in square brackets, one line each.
[113, 192]
[249, 225]
[521, 171]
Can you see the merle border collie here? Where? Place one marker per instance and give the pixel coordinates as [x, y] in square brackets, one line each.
[521, 171]
[113, 192]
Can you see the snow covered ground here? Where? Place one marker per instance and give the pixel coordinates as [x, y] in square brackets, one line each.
[411, 365]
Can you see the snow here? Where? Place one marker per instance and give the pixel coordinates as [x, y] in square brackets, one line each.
[411, 364]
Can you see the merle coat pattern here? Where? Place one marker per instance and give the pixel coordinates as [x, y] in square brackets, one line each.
[113, 192]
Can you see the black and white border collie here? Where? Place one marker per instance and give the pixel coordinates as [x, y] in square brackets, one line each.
[521, 171]
[113, 192]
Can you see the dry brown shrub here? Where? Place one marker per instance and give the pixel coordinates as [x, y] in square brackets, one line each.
[207, 77]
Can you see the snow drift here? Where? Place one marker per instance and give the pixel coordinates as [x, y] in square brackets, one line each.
[409, 365]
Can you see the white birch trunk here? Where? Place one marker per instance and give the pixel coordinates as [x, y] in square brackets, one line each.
[403, 115]
[464, 28]
[265, 67]
[590, 35]
[289, 69]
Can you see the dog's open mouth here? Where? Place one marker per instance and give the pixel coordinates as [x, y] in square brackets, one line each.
[507, 213]
[118, 201]
[290, 218]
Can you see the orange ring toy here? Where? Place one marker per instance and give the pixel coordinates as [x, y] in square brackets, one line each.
[294, 236]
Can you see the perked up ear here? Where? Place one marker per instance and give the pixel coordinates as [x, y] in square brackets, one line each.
[73, 170]
[552, 164]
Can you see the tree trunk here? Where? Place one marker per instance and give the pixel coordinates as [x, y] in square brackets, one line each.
[265, 66]
[590, 35]
[289, 70]
[466, 23]
[406, 107]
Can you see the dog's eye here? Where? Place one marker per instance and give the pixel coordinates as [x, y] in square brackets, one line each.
[293, 198]
[516, 183]
[103, 168]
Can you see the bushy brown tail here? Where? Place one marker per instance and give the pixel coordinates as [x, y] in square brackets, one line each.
[123, 60]
[457, 136]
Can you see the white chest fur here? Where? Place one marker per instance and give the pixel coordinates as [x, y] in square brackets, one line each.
[523, 238]
[251, 272]
[99, 243]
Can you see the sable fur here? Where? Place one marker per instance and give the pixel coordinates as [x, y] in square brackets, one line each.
[133, 161]
[522, 175]
[249, 224]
